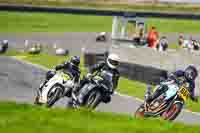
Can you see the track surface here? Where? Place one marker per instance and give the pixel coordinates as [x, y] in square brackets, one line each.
[18, 81]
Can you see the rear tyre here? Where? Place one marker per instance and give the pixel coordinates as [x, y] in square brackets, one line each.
[93, 99]
[139, 113]
[173, 112]
[53, 95]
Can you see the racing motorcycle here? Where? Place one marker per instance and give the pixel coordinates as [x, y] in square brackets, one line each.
[56, 87]
[168, 105]
[97, 89]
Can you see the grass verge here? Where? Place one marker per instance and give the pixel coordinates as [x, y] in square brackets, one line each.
[28, 22]
[16, 118]
[126, 86]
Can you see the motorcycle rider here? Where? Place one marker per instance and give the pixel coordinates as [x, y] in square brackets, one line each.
[70, 67]
[111, 64]
[189, 74]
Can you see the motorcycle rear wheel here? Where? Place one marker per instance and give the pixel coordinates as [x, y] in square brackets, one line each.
[173, 112]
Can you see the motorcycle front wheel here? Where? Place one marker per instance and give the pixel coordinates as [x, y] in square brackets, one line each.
[139, 113]
[53, 95]
[93, 99]
[172, 112]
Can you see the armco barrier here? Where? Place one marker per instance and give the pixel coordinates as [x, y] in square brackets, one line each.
[137, 72]
[78, 11]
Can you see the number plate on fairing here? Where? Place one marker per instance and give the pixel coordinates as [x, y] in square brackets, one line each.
[184, 93]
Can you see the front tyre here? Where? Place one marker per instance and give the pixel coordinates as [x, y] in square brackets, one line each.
[173, 112]
[53, 95]
[93, 99]
[139, 113]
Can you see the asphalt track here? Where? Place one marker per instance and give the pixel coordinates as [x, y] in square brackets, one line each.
[18, 81]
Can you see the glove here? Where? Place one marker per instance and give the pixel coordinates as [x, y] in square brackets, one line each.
[89, 75]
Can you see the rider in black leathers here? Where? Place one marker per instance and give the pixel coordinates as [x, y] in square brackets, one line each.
[189, 74]
[111, 65]
[69, 67]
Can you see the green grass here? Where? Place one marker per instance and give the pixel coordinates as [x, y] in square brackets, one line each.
[126, 86]
[44, 22]
[112, 4]
[16, 118]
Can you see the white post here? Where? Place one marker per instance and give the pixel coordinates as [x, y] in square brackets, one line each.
[115, 26]
[123, 29]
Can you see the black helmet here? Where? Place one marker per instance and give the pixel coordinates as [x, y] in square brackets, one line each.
[50, 74]
[191, 73]
[75, 60]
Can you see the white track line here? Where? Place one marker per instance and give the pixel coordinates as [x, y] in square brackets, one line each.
[29, 63]
[119, 94]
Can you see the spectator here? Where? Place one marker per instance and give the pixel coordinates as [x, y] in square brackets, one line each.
[190, 44]
[181, 40]
[196, 44]
[152, 37]
[184, 43]
[163, 44]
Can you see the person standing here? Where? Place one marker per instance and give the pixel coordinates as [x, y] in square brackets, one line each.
[181, 40]
[152, 37]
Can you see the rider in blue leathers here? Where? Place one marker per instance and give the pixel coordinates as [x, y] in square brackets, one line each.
[189, 74]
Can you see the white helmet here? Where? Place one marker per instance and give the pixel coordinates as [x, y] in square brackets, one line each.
[113, 61]
[5, 41]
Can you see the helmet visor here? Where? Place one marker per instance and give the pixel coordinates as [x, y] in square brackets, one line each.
[190, 74]
[113, 62]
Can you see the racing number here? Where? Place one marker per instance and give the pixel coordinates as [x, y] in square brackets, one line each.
[184, 91]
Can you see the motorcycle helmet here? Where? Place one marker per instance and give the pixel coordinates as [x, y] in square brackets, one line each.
[113, 61]
[5, 42]
[50, 74]
[75, 60]
[191, 73]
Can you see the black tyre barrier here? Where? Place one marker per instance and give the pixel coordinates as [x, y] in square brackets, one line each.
[34, 51]
[3, 48]
[62, 52]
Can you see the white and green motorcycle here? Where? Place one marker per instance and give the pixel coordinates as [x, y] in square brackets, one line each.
[58, 86]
